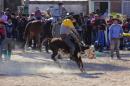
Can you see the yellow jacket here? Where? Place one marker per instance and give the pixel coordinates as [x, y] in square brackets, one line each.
[126, 34]
[68, 23]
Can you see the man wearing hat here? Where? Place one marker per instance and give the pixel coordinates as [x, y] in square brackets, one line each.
[115, 33]
[58, 12]
[68, 31]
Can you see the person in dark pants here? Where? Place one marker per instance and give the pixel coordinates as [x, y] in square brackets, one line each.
[88, 33]
[101, 35]
[115, 33]
[15, 24]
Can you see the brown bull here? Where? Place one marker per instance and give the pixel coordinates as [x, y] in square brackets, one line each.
[57, 44]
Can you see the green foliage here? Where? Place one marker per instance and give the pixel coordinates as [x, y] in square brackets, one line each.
[114, 14]
[122, 17]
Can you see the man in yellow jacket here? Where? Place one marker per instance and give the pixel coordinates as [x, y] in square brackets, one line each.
[67, 31]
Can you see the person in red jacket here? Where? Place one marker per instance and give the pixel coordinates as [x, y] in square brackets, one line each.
[2, 36]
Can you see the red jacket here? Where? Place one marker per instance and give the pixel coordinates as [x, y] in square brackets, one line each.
[2, 32]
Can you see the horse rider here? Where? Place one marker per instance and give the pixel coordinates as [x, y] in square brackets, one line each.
[57, 12]
[67, 32]
[38, 14]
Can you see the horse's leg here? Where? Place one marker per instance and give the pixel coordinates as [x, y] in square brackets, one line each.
[34, 42]
[45, 41]
[26, 44]
[59, 56]
[39, 43]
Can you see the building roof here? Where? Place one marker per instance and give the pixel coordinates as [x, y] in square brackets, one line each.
[58, 0]
[55, 1]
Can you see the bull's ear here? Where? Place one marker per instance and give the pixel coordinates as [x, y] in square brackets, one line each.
[82, 42]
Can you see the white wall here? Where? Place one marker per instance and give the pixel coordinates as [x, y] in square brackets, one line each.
[126, 8]
[76, 8]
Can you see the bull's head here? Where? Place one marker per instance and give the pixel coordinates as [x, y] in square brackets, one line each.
[88, 51]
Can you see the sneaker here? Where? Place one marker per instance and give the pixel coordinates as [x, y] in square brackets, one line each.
[111, 56]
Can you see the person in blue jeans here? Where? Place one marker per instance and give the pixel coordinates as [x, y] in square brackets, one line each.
[8, 41]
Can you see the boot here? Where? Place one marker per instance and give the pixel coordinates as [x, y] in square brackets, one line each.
[118, 55]
[9, 54]
[72, 57]
[5, 52]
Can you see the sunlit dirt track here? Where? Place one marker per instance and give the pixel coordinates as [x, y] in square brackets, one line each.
[37, 69]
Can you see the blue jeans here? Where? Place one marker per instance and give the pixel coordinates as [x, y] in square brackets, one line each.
[94, 35]
[67, 40]
[1, 40]
[0, 51]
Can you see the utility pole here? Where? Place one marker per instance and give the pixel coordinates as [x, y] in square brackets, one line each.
[26, 7]
[1, 5]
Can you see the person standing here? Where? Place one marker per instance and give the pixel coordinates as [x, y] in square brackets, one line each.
[8, 41]
[58, 12]
[115, 33]
[2, 36]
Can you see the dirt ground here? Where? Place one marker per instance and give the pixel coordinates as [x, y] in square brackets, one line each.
[37, 69]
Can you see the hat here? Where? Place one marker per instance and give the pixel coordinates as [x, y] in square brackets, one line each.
[68, 23]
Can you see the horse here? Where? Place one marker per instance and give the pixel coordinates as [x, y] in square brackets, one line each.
[33, 31]
[47, 33]
[39, 31]
[57, 44]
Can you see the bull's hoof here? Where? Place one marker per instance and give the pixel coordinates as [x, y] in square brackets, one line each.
[72, 58]
[58, 63]
[54, 59]
[82, 70]
[47, 51]
[59, 57]
[34, 48]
